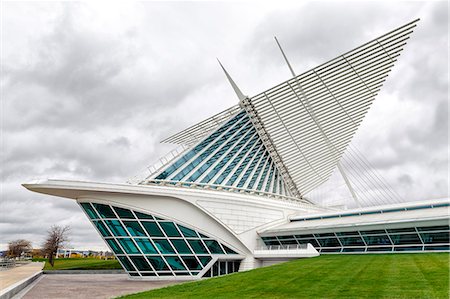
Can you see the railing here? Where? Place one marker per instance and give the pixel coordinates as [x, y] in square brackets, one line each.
[153, 169]
[283, 247]
[7, 264]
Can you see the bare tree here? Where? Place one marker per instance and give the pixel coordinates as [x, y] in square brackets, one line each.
[19, 247]
[57, 236]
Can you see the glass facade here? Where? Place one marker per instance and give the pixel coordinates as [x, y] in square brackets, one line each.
[232, 157]
[147, 245]
[423, 238]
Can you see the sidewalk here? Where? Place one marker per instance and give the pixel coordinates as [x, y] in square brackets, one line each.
[11, 278]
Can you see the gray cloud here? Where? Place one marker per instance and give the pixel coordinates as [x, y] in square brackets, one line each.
[88, 90]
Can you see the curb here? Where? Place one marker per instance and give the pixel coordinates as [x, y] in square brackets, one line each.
[83, 272]
[14, 289]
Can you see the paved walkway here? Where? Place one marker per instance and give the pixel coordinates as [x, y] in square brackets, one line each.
[16, 274]
[89, 286]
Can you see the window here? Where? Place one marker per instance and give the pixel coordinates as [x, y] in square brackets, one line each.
[158, 263]
[405, 239]
[163, 246]
[104, 211]
[329, 242]
[146, 246]
[143, 216]
[351, 241]
[134, 228]
[102, 228]
[181, 246]
[170, 229]
[140, 263]
[433, 238]
[126, 263]
[175, 263]
[89, 210]
[213, 246]
[114, 246]
[116, 228]
[124, 213]
[198, 247]
[377, 240]
[152, 229]
[128, 245]
[187, 232]
[192, 263]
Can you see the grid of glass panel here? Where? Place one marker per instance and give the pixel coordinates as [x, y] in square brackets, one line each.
[232, 156]
[421, 238]
[147, 245]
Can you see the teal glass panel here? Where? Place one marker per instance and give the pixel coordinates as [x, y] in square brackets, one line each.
[134, 228]
[128, 245]
[158, 263]
[116, 228]
[124, 213]
[198, 148]
[104, 211]
[143, 216]
[204, 259]
[181, 246]
[126, 263]
[213, 246]
[434, 238]
[163, 246]
[175, 263]
[89, 210]
[146, 246]
[152, 229]
[198, 247]
[187, 232]
[402, 230]
[249, 170]
[170, 229]
[203, 236]
[114, 246]
[192, 263]
[140, 263]
[102, 228]
[261, 163]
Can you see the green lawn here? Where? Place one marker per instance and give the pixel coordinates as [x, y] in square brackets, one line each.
[80, 264]
[327, 276]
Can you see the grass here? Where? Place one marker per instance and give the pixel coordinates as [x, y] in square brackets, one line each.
[80, 264]
[327, 276]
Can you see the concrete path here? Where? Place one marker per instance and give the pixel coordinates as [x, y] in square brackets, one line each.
[14, 275]
[89, 286]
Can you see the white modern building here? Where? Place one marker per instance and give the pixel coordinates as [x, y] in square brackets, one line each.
[236, 196]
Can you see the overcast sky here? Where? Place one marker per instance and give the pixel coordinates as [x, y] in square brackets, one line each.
[89, 90]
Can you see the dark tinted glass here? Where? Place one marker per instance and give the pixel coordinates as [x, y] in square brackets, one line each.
[431, 228]
[402, 230]
[128, 245]
[175, 263]
[102, 228]
[213, 246]
[192, 263]
[187, 232]
[104, 211]
[89, 210]
[158, 263]
[152, 229]
[124, 213]
[229, 250]
[146, 246]
[170, 229]
[405, 239]
[163, 246]
[197, 246]
[181, 246]
[329, 242]
[134, 228]
[114, 246]
[351, 241]
[126, 263]
[204, 260]
[433, 238]
[140, 263]
[377, 240]
[373, 232]
[143, 216]
[116, 228]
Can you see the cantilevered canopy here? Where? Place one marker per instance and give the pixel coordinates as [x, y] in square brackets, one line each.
[311, 118]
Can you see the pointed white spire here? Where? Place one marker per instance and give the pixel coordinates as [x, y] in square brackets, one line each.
[285, 58]
[238, 92]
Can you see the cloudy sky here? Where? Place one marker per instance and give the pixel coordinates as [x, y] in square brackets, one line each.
[89, 90]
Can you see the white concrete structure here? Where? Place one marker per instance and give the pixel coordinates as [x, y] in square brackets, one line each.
[233, 198]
